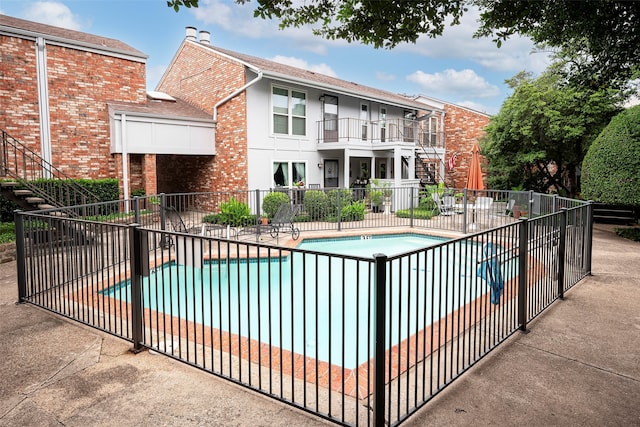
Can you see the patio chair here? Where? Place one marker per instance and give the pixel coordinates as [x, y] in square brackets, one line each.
[283, 221]
[508, 209]
[445, 204]
[483, 208]
[177, 223]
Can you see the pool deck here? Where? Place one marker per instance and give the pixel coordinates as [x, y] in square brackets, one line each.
[578, 365]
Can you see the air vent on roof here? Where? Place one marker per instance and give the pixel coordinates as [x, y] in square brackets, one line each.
[191, 33]
[160, 96]
[205, 37]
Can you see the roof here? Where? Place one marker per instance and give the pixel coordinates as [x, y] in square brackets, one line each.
[281, 71]
[155, 107]
[24, 28]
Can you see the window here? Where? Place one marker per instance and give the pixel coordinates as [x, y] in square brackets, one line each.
[330, 113]
[289, 111]
[364, 119]
[383, 124]
[430, 133]
[289, 174]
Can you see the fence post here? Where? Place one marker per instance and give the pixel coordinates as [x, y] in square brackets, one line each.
[562, 244]
[136, 209]
[258, 207]
[339, 207]
[20, 256]
[588, 241]
[464, 211]
[136, 266]
[555, 203]
[411, 196]
[522, 273]
[379, 361]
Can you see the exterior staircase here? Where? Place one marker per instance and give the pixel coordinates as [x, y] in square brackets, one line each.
[33, 183]
[614, 214]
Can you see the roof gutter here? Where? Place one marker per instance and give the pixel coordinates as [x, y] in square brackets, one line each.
[396, 103]
[236, 93]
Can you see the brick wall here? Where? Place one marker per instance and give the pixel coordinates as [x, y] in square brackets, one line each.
[201, 77]
[462, 128]
[18, 91]
[79, 83]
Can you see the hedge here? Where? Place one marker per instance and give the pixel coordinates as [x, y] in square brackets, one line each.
[611, 167]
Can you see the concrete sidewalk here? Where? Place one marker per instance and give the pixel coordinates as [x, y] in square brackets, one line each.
[578, 365]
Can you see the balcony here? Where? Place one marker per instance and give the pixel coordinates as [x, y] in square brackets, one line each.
[366, 132]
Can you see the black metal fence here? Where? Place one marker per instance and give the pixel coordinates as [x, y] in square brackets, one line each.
[362, 339]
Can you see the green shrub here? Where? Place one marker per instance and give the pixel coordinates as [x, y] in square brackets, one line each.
[631, 233]
[7, 232]
[353, 211]
[376, 197]
[345, 197]
[6, 209]
[235, 213]
[105, 190]
[611, 167]
[273, 201]
[316, 204]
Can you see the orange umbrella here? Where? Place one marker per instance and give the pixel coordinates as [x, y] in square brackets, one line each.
[474, 179]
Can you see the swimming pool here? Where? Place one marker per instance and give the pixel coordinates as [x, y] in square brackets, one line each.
[313, 304]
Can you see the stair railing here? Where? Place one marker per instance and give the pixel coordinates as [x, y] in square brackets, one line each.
[41, 177]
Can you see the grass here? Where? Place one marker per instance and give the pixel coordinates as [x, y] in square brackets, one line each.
[417, 213]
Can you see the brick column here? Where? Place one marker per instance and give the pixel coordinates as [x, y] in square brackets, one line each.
[149, 174]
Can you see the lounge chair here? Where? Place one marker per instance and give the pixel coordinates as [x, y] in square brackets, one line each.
[283, 221]
[445, 204]
[177, 223]
[483, 208]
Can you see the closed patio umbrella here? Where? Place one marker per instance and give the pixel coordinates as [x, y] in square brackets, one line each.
[474, 179]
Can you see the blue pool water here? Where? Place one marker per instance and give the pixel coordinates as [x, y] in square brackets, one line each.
[313, 304]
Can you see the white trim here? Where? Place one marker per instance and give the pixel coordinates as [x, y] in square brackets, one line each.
[338, 90]
[72, 44]
[290, 115]
[290, 183]
[43, 103]
[125, 162]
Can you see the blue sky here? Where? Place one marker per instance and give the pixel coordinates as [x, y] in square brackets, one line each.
[455, 67]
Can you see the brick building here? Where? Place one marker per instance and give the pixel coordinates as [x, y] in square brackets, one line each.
[220, 120]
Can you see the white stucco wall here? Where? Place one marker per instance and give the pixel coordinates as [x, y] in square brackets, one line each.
[265, 147]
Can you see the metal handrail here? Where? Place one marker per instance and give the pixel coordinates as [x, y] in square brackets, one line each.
[24, 165]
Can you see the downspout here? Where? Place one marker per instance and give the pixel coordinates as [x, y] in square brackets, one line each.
[125, 161]
[235, 93]
[43, 105]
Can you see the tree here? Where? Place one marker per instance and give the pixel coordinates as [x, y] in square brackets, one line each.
[177, 4]
[611, 167]
[539, 137]
[604, 34]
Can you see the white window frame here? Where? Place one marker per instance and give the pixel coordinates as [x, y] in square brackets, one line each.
[290, 183]
[290, 114]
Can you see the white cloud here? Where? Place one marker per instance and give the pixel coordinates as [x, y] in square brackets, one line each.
[301, 63]
[54, 13]
[385, 77]
[451, 82]
[478, 107]
[457, 42]
[239, 19]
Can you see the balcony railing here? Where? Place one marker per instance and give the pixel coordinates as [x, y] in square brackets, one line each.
[352, 130]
